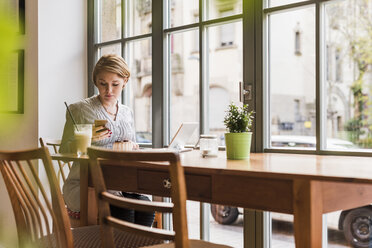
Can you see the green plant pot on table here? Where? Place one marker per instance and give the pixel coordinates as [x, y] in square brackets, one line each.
[238, 121]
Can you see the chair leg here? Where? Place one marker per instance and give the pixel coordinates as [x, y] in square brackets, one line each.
[74, 222]
[158, 222]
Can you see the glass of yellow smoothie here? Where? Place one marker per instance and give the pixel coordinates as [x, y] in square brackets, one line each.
[83, 138]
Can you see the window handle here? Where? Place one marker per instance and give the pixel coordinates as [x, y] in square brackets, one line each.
[245, 92]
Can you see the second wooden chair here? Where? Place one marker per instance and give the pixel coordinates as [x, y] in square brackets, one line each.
[130, 161]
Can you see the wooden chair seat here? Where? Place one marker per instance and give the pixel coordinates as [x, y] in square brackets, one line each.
[193, 244]
[89, 236]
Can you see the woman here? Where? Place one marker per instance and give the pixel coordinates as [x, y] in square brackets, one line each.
[110, 76]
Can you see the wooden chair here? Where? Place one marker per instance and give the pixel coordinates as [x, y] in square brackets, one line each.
[41, 219]
[128, 161]
[55, 144]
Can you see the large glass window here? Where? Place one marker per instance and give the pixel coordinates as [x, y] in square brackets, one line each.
[308, 62]
[318, 93]
[124, 27]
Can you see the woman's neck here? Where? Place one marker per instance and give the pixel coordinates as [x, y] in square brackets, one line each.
[108, 104]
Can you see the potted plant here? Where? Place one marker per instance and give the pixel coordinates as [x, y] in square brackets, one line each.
[238, 121]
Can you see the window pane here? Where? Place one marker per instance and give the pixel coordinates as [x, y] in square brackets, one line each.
[193, 219]
[183, 12]
[292, 78]
[110, 20]
[140, 14]
[219, 8]
[282, 230]
[140, 88]
[336, 236]
[184, 84]
[111, 49]
[225, 72]
[348, 74]
[226, 225]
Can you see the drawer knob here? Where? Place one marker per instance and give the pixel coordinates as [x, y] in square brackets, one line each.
[167, 183]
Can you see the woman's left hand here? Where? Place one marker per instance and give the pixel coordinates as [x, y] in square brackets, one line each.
[135, 146]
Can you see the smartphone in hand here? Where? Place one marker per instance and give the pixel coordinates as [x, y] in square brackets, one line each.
[98, 123]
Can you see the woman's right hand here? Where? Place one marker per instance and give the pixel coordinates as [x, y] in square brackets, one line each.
[100, 133]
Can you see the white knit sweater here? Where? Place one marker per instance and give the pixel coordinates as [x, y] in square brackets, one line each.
[85, 112]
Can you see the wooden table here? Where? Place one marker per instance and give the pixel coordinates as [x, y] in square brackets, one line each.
[303, 185]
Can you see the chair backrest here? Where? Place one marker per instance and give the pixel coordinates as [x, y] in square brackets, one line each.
[54, 144]
[36, 213]
[128, 160]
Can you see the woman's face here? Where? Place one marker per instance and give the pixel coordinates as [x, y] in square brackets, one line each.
[110, 86]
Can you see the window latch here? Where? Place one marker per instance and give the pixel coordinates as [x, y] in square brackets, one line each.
[245, 92]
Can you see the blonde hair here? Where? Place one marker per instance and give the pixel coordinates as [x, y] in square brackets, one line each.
[111, 63]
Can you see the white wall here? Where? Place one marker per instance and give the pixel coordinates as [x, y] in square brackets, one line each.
[62, 61]
[55, 71]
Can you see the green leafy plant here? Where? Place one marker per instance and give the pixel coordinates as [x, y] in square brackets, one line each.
[238, 119]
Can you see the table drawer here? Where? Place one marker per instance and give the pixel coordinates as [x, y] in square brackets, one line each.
[149, 181]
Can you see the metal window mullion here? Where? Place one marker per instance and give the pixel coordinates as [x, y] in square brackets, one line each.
[166, 72]
[125, 52]
[92, 51]
[107, 43]
[292, 6]
[181, 28]
[318, 110]
[157, 74]
[266, 80]
[249, 76]
[167, 87]
[258, 79]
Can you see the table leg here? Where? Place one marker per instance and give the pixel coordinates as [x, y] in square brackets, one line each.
[92, 209]
[307, 211]
[84, 193]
